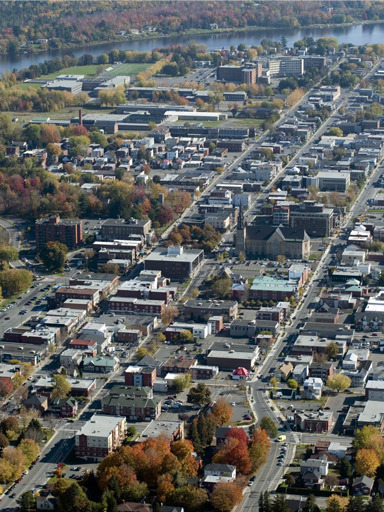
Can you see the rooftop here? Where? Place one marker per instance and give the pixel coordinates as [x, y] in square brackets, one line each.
[100, 425]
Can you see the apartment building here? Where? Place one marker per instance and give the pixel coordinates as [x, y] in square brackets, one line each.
[100, 436]
[54, 229]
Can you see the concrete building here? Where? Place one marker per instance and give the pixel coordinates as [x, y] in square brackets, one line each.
[315, 218]
[175, 262]
[120, 229]
[337, 181]
[100, 436]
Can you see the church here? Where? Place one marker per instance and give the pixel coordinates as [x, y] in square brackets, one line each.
[264, 241]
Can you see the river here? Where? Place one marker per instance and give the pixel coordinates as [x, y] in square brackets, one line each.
[356, 34]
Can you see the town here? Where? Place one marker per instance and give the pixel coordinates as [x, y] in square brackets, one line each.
[192, 275]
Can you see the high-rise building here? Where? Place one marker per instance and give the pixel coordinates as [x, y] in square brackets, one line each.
[54, 229]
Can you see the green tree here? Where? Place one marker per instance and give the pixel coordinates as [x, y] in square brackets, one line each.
[335, 131]
[61, 387]
[14, 281]
[186, 336]
[273, 382]
[377, 504]
[310, 504]
[292, 384]
[53, 255]
[27, 502]
[339, 382]
[199, 395]
[189, 497]
[182, 382]
[356, 504]
[345, 468]
[279, 504]
[332, 350]
[269, 426]
[8, 253]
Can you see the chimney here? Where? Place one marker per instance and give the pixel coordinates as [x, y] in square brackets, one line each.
[80, 117]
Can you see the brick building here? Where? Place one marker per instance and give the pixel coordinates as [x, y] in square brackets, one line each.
[140, 376]
[100, 436]
[54, 229]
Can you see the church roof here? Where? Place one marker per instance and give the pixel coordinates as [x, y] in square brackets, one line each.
[259, 232]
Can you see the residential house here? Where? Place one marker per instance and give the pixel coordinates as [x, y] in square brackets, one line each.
[313, 388]
[362, 485]
[284, 371]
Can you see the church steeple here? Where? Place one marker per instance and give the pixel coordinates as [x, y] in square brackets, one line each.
[240, 231]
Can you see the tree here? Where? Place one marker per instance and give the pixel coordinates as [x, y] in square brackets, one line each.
[345, 468]
[9, 426]
[294, 97]
[222, 411]
[8, 253]
[364, 436]
[259, 448]
[356, 504]
[53, 255]
[169, 314]
[199, 395]
[6, 387]
[14, 281]
[186, 336]
[292, 384]
[366, 462]
[111, 268]
[16, 458]
[332, 350]
[27, 501]
[225, 496]
[141, 352]
[335, 131]
[189, 497]
[377, 504]
[234, 452]
[182, 382]
[336, 503]
[279, 504]
[269, 426]
[310, 504]
[273, 382]
[4, 442]
[30, 449]
[280, 258]
[339, 382]
[61, 387]
[222, 288]
[331, 481]
[265, 502]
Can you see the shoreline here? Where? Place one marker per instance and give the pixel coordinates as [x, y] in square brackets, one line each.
[191, 32]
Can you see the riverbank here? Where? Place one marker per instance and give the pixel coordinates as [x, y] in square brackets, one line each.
[191, 32]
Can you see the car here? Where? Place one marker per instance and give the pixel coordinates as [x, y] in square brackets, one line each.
[280, 463]
[7, 318]
[13, 495]
[196, 407]
[233, 404]
[247, 417]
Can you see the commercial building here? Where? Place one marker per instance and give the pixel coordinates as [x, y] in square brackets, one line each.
[100, 436]
[271, 288]
[318, 421]
[171, 430]
[120, 229]
[239, 74]
[140, 376]
[315, 218]
[54, 229]
[196, 309]
[175, 262]
[337, 181]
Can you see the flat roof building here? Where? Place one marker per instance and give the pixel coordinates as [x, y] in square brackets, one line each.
[175, 262]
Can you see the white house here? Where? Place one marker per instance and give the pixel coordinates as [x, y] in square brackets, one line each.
[313, 388]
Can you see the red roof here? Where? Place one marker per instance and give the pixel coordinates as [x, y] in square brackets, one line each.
[241, 371]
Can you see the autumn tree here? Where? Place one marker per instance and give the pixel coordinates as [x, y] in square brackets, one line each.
[226, 496]
[53, 255]
[273, 382]
[234, 452]
[14, 281]
[336, 503]
[61, 387]
[186, 336]
[259, 448]
[364, 436]
[169, 314]
[338, 382]
[222, 287]
[222, 411]
[292, 384]
[190, 498]
[366, 462]
[30, 449]
[200, 394]
[50, 134]
[269, 426]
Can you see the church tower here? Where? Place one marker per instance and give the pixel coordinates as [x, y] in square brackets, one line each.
[240, 231]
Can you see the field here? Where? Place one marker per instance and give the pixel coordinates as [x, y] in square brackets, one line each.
[89, 70]
[247, 122]
[127, 69]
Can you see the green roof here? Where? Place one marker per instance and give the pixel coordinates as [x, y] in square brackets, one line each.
[271, 283]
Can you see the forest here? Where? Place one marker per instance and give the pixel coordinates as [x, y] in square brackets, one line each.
[56, 24]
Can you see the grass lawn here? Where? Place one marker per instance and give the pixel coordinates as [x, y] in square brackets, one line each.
[247, 121]
[127, 69]
[89, 70]
[212, 124]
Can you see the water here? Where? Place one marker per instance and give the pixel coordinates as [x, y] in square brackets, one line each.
[355, 34]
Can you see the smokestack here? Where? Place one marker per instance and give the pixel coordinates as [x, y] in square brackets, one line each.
[80, 117]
